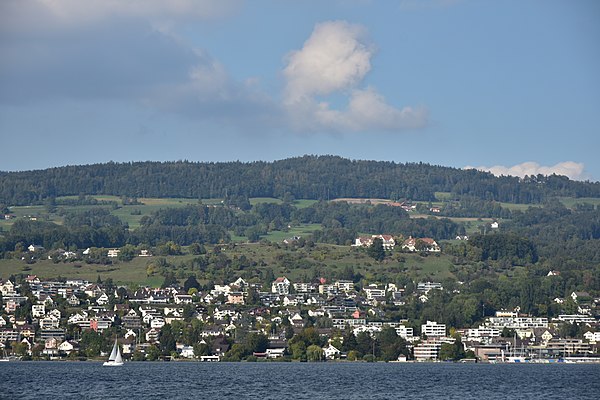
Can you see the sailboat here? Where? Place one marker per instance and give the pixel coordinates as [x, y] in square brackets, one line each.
[115, 359]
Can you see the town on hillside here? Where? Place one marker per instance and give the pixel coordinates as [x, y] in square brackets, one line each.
[316, 320]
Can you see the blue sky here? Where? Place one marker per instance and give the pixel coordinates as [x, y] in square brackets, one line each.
[510, 86]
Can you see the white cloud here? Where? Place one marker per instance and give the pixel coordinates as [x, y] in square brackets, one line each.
[127, 51]
[571, 169]
[335, 59]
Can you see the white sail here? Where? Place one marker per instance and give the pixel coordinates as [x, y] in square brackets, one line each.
[118, 359]
[113, 353]
[115, 359]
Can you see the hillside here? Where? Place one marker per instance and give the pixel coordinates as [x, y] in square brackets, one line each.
[308, 177]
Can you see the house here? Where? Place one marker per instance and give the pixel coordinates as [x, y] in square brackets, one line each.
[235, 298]
[130, 334]
[374, 291]
[553, 273]
[547, 336]
[34, 248]
[240, 284]
[388, 241]
[275, 353]
[93, 290]
[577, 296]
[112, 253]
[121, 308]
[305, 287]
[32, 280]
[281, 286]
[100, 324]
[183, 299]
[186, 351]
[145, 253]
[297, 321]
[408, 206]
[73, 301]
[102, 300]
[131, 320]
[49, 322]
[420, 244]
[8, 289]
[157, 323]
[291, 240]
[26, 331]
[331, 352]
[494, 225]
[425, 287]
[67, 347]
[152, 335]
[38, 310]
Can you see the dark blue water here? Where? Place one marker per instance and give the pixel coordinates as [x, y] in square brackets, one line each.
[145, 380]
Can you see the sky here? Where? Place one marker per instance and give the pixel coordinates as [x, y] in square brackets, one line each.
[512, 86]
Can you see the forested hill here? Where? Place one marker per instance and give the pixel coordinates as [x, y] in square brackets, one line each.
[308, 177]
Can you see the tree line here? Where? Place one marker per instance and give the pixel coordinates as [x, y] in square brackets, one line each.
[307, 177]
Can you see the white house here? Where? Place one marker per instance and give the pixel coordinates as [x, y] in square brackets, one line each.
[35, 248]
[281, 286]
[38, 310]
[388, 241]
[157, 323]
[331, 352]
[186, 351]
[102, 300]
[49, 322]
[183, 299]
[67, 347]
[8, 289]
[113, 253]
[421, 244]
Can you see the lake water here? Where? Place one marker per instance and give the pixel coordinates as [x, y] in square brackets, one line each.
[166, 380]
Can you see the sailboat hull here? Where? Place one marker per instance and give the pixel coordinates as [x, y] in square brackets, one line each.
[112, 364]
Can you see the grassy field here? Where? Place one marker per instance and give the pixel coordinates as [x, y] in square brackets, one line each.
[294, 263]
[260, 200]
[443, 196]
[571, 202]
[133, 272]
[300, 230]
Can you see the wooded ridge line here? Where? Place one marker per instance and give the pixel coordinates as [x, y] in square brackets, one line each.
[306, 177]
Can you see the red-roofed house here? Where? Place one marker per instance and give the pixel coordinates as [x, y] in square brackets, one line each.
[421, 244]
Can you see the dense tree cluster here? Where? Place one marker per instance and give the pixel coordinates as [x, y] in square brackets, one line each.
[308, 177]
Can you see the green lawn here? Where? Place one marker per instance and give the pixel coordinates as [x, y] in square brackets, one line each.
[571, 202]
[443, 196]
[300, 230]
[328, 258]
[260, 200]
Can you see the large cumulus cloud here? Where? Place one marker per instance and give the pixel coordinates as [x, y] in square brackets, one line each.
[335, 59]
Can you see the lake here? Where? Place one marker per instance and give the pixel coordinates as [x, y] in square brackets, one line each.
[151, 380]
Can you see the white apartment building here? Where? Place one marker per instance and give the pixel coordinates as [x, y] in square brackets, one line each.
[432, 328]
